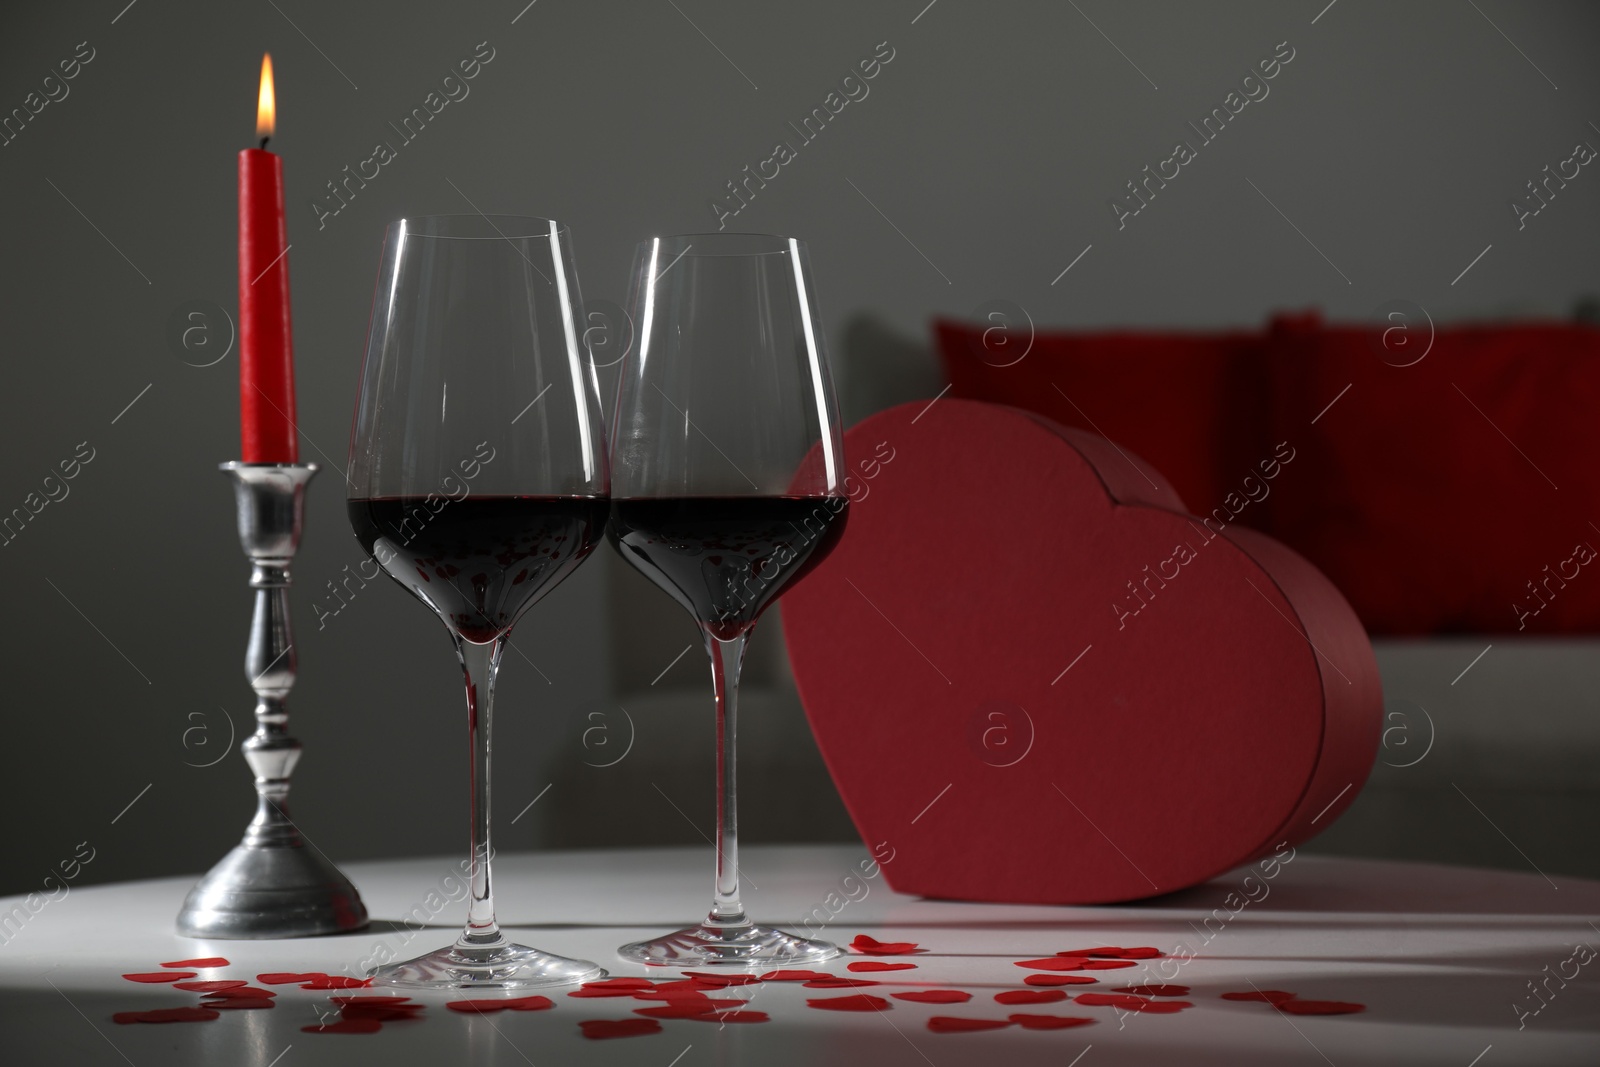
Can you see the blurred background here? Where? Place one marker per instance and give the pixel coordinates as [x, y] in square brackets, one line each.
[980, 167]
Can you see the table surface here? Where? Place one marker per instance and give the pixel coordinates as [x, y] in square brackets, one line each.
[1442, 958]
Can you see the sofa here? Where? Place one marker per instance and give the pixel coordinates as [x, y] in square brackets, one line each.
[1439, 475]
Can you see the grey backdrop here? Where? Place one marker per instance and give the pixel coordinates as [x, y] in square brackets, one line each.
[979, 166]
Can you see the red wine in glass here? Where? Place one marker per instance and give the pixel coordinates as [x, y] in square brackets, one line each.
[479, 561]
[724, 559]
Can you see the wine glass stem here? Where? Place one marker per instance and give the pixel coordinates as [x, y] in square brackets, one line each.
[726, 659]
[480, 664]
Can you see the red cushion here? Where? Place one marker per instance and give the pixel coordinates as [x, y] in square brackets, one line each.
[1433, 494]
[1426, 492]
[1190, 404]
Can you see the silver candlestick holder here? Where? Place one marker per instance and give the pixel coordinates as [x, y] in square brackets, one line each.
[271, 885]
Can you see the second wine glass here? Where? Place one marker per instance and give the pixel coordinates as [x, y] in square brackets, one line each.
[728, 487]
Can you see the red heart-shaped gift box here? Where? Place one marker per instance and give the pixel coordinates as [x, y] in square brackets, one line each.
[1037, 679]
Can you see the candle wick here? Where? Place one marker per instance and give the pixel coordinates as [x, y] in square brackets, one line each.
[264, 141]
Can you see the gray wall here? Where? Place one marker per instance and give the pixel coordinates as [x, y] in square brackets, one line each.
[989, 148]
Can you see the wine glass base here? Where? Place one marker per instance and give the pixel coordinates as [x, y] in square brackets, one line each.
[737, 946]
[500, 967]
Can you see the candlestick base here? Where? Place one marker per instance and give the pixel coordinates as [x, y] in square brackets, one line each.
[271, 892]
[271, 885]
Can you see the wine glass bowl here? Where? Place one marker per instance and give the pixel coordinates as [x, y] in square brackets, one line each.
[478, 481]
[728, 477]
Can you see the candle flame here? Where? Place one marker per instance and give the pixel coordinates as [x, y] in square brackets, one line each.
[266, 107]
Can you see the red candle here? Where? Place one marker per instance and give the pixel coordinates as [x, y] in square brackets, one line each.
[266, 352]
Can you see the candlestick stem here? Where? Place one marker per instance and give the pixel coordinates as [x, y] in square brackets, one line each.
[270, 664]
[271, 885]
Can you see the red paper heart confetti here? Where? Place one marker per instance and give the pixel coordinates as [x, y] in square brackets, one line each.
[366, 1014]
[1129, 1002]
[1107, 965]
[793, 976]
[530, 1003]
[166, 1015]
[1030, 996]
[1163, 1007]
[1270, 996]
[687, 1009]
[288, 977]
[346, 1026]
[720, 980]
[705, 1003]
[1059, 979]
[223, 1002]
[609, 991]
[879, 965]
[733, 1017]
[384, 1009]
[534, 1003]
[1154, 990]
[1058, 963]
[599, 1029]
[1126, 1001]
[1114, 952]
[1050, 1022]
[1291, 1004]
[380, 1015]
[237, 990]
[217, 986]
[668, 990]
[154, 977]
[206, 961]
[934, 996]
[336, 981]
[1297, 1006]
[475, 1007]
[383, 1013]
[952, 1024]
[870, 946]
[859, 1002]
[620, 983]
[839, 983]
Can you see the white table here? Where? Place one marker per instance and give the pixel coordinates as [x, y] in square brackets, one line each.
[1439, 956]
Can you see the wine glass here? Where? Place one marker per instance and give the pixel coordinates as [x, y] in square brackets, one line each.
[478, 481]
[729, 487]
